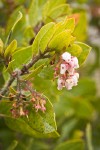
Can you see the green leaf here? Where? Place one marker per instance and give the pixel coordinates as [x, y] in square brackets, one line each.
[11, 31]
[35, 12]
[70, 24]
[2, 81]
[61, 41]
[57, 12]
[41, 35]
[28, 35]
[48, 87]
[37, 124]
[80, 31]
[67, 128]
[34, 73]
[20, 57]
[1, 47]
[46, 38]
[77, 101]
[45, 61]
[89, 137]
[84, 109]
[64, 107]
[85, 51]
[67, 24]
[10, 49]
[71, 145]
[10, 67]
[75, 50]
[51, 33]
[86, 88]
[17, 20]
[50, 5]
[22, 126]
[20, 27]
[2, 33]
[13, 145]
[47, 73]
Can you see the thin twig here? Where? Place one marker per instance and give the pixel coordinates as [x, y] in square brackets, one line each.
[18, 86]
[5, 88]
[23, 71]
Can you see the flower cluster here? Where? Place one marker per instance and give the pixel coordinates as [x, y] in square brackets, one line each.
[37, 100]
[38, 103]
[65, 71]
[19, 109]
[21, 104]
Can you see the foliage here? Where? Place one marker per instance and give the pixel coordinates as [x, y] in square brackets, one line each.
[33, 36]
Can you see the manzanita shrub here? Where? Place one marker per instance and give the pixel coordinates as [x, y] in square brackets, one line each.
[40, 42]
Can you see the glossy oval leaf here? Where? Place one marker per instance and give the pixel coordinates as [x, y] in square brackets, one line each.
[20, 57]
[62, 40]
[12, 28]
[85, 51]
[37, 124]
[75, 50]
[50, 5]
[67, 24]
[35, 12]
[46, 38]
[33, 73]
[47, 73]
[43, 31]
[59, 11]
[10, 49]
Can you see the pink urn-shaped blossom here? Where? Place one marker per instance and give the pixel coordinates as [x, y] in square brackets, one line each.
[63, 68]
[66, 56]
[67, 75]
[61, 83]
[69, 84]
[74, 62]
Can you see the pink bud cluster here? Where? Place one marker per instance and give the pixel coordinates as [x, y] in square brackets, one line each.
[38, 103]
[65, 71]
[18, 109]
[37, 100]
[21, 104]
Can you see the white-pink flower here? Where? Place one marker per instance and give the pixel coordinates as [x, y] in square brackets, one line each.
[66, 56]
[77, 75]
[67, 75]
[72, 81]
[63, 68]
[69, 84]
[71, 71]
[61, 83]
[74, 62]
[75, 78]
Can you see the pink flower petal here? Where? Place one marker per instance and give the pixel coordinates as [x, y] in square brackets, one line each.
[66, 56]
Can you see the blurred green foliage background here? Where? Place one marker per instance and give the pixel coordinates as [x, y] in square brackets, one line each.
[77, 111]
